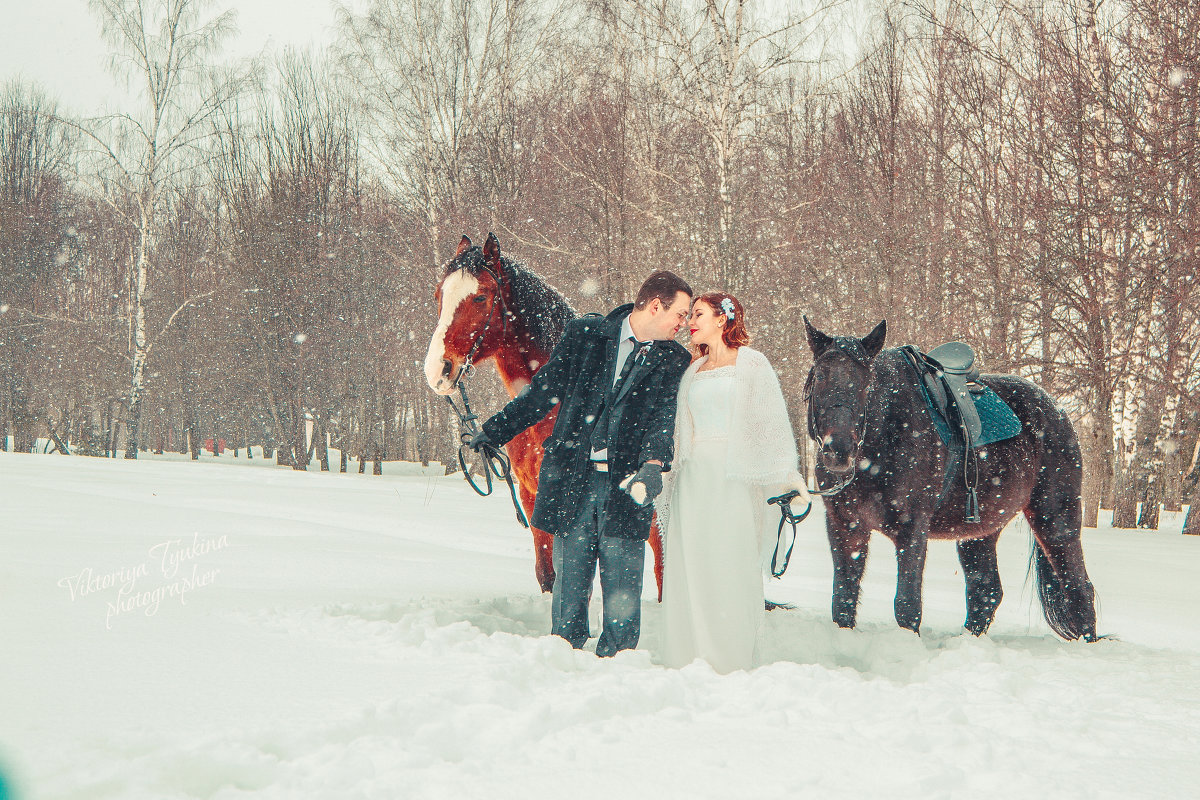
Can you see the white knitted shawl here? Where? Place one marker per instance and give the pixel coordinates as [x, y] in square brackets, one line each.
[762, 447]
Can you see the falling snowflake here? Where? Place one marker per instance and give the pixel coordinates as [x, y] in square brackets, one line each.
[300, 338]
[589, 287]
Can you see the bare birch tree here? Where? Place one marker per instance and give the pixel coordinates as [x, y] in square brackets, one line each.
[433, 75]
[714, 64]
[163, 48]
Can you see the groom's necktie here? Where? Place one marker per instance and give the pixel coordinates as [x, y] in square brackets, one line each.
[600, 431]
[631, 359]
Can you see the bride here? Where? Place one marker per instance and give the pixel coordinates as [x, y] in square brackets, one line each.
[734, 447]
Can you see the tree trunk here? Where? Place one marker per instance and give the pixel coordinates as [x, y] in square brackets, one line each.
[1093, 443]
[299, 441]
[194, 440]
[54, 437]
[1149, 517]
[161, 430]
[1172, 488]
[23, 420]
[110, 431]
[1191, 523]
[4, 422]
[388, 404]
[421, 438]
[137, 383]
[1125, 496]
[322, 443]
[402, 430]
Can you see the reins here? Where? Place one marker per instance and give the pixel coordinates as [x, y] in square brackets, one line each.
[495, 461]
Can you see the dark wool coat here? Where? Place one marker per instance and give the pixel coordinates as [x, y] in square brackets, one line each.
[578, 380]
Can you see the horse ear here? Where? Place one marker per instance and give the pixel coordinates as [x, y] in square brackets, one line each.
[463, 245]
[491, 250]
[873, 341]
[818, 341]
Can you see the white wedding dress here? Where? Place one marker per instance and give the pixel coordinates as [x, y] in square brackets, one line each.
[712, 581]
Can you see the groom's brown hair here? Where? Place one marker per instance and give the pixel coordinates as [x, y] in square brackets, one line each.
[665, 286]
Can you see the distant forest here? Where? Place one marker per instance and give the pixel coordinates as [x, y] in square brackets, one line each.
[249, 251]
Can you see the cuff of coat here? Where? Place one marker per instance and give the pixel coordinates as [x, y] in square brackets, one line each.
[496, 432]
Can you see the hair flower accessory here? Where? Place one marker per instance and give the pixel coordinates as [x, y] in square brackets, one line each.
[727, 307]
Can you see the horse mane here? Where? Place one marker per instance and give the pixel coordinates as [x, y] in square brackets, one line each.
[543, 309]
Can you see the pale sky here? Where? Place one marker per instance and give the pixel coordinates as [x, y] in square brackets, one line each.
[57, 43]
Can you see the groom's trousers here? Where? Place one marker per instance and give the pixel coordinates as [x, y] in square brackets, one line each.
[622, 562]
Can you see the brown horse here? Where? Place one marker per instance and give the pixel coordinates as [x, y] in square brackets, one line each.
[881, 464]
[493, 308]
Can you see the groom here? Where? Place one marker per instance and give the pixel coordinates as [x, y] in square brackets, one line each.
[613, 380]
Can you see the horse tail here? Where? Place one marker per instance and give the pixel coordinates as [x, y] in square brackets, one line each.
[1056, 596]
[1050, 592]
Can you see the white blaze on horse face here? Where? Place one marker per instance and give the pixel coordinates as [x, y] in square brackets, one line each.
[457, 289]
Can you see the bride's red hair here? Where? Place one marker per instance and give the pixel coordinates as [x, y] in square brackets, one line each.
[734, 334]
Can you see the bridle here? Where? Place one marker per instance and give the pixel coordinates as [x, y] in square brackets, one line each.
[497, 300]
[854, 350]
[495, 461]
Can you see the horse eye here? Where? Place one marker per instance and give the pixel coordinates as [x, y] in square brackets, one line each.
[479, 298]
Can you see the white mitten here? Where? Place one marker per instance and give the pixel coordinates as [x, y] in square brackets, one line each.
[645, 484]
[795, 482]
[636, 491]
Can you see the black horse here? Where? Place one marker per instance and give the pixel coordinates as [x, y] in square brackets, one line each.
[877, 441]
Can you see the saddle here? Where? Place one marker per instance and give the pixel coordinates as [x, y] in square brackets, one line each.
[953, 382]
[949, 380]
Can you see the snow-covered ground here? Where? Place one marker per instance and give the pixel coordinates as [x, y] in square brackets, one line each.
[212, 630]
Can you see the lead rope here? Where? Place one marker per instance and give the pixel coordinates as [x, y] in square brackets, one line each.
[784, 501]
[495, 462]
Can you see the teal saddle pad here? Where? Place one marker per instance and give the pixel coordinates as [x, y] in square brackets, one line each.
[999, 421]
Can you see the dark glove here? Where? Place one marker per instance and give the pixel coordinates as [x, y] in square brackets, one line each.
[645, 484]
[479, 440]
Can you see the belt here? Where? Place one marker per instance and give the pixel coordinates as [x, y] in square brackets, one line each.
[600, 466]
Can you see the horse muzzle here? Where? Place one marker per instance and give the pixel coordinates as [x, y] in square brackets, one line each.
[837, 460]
[441, 376]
